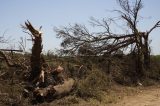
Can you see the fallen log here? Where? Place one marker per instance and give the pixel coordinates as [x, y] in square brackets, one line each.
[52, 92]
[57, 90]
[64, 88]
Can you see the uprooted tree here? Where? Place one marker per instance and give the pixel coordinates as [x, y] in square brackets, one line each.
[77, 39]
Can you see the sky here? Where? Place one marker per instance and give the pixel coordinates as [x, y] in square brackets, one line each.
[57, 13]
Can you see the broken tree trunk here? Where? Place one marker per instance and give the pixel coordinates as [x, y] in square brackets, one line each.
[36, 63]
[146, 53]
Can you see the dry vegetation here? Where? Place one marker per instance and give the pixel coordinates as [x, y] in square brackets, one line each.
[92, 87]
[92, 70]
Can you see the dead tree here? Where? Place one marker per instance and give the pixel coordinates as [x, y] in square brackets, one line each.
[36, 63]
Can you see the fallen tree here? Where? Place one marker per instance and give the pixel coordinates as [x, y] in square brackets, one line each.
[77, 40]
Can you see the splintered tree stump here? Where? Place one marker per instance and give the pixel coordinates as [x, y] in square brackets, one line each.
[36, 63]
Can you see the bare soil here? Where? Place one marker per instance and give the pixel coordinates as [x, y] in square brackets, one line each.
[145, 97]
[121, 96]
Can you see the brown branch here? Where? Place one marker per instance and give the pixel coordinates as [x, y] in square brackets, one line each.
[11, 50]
[123, 45]
[9, 63]
[155, 26]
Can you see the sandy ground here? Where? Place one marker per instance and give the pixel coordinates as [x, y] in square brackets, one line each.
[147, 97]
[140, 96]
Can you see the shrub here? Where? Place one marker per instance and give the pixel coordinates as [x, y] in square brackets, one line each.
[92, 85]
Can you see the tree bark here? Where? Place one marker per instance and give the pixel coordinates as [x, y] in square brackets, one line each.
[36, 63]
[146, 53]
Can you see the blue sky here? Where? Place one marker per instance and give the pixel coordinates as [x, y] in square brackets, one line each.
[51, 13]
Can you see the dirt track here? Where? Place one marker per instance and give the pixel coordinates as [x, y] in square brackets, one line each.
[147, 97]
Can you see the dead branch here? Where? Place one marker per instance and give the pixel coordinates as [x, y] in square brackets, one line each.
[155, 26]
[9, 63]
[11, 50]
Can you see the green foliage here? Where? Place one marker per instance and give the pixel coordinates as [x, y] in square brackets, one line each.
[156, 57]
[92, 85]
[154, 72]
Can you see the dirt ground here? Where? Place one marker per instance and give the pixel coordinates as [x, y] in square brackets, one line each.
[123, 96]
[146, 97]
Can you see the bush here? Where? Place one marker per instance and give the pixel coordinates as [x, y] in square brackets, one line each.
[154, 72]
[92, 85]
[10, 95]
